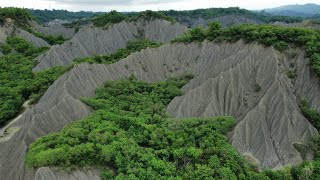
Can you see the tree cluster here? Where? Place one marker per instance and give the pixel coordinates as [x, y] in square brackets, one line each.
[114, 17]
[130, 136]
[17, 81]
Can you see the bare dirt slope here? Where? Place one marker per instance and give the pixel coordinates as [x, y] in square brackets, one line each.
[94, 41]
[226, 77]
[35, 41]
[54, 30]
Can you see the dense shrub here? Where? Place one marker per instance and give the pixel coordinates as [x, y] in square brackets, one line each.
[114, 17]
[151, 15]
[17, 81]
[130, 135]
[52, 40]
[311, 114]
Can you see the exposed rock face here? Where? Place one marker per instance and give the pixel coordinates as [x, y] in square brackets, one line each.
[54, 30]
[225, 21]
[6, 29]
[93, 41]
[249, 83]
[269, 120]
[37, 42]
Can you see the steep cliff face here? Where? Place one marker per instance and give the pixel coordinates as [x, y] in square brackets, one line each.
[227, 77]
[93, 41]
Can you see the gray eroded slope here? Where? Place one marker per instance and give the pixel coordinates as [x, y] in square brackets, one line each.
[93, 41]
[54, 30]
[225, 77]
[225, 21]
[37, 42]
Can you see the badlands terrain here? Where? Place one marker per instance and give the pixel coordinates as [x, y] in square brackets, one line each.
[269, 85]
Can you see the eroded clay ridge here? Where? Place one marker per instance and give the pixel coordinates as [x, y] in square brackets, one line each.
[95, 41]
[35, 41]
[225, 21]
[269, 120]
[54, 30]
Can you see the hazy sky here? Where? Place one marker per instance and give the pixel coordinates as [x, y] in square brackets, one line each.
[138, 5]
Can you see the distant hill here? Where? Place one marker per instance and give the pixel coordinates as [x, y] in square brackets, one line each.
[189, 18]
[48, 15]
[306, 10]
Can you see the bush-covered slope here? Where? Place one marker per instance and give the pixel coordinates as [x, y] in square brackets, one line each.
[17, 80]
[19, 83]
[130, 136]
[21, 16]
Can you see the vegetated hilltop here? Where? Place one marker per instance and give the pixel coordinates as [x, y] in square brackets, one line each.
[306, 10]
[44, 16]
[266, 77]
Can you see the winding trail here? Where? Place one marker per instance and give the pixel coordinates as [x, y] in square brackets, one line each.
[8, 131]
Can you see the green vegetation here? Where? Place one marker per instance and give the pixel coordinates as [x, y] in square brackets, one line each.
[108, 18]
[310, 169]
[132, 46]
[292, 73]
[257, 87]
[268, 35]
[20, 16]
[130, 136]
[311, 114]
[114, 17]
[52, 40]
[210, 13]
[150, 15]
[18, 82]
[46, 15]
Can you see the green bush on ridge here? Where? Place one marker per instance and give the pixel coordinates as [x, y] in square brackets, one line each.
[114, 17]
[19, 15]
